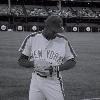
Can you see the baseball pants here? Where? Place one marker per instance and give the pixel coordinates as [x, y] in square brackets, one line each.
[45, 89]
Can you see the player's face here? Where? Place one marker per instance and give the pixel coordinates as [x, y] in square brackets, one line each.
[51, 31]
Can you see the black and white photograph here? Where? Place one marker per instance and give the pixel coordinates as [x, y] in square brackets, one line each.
[49, 49]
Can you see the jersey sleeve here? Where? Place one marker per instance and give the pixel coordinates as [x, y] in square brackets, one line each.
[25, 47]
[69, 51]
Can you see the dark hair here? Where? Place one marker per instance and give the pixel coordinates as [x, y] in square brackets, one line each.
[54, 21]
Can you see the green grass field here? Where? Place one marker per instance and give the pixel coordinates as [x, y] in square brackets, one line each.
[83, 81]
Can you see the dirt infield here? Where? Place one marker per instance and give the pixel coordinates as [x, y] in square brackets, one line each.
[81, 82]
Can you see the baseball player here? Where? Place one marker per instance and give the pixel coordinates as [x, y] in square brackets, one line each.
[48, 53]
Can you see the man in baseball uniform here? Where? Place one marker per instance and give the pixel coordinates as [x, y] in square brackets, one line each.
[48, 53]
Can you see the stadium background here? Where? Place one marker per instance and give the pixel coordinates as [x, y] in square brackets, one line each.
[82, 17]
[24, 15]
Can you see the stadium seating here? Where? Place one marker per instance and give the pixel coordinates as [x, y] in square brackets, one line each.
[35, 11]
[85, 12]
[17, 10]
[68, 12]
[52, 10]
[4, 10]
[42, 12]
[97, 12]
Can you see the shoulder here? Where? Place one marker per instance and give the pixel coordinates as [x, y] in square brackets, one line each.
[62, 37]
[27, 40]
[32, 35]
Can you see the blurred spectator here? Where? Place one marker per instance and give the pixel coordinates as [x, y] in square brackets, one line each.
[85, 12]
[17, 10]
[97, 12]
[4, 10]
[36, 11]
[52, 10]
[68, 12]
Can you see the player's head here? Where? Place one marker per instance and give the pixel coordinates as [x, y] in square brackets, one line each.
[54, 23]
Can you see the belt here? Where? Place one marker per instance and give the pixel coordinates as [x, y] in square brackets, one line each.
[41, 75]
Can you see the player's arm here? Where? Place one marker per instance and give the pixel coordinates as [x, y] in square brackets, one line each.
[25, 50]
[24, 61]
[70, 60]
[70, 57]
[68, 64]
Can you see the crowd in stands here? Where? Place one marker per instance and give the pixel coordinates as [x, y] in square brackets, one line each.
[17, 10]
[85, 12]
[35, 11]
[52, 10]
[66, 12]
[4, 10]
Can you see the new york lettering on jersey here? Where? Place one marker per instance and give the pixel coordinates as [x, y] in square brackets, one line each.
[53, 50]
[48, 50]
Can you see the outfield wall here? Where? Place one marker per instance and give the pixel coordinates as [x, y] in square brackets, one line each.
[31, 27]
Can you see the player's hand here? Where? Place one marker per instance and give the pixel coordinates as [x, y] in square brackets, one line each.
[50, 69]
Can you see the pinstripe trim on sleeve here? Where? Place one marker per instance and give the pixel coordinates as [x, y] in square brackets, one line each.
[72, 50]
[62, 36]
[25, 41]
